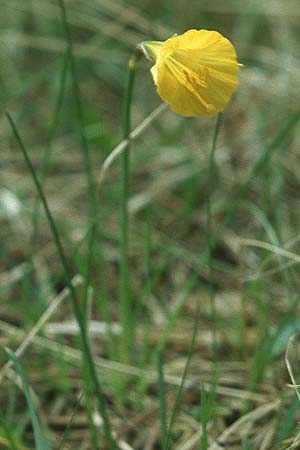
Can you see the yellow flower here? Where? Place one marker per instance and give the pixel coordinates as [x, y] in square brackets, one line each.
[195, 73]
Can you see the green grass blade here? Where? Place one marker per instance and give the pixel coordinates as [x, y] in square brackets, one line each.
[92, 190]
[91, 184]
[43, 172]
[162, 396]
[246, 444]
[206, 412]
[68, 428]
[204, 418]
[76, 308]
[287, 423]
[48, 148]
[180, 389]
[39, 438]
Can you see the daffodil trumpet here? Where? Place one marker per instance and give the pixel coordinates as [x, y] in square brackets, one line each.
[196, 73]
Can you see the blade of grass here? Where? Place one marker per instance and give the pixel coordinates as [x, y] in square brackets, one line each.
[43, 173]
[141, 307]
[71, 422]
[264, 355]
[246, 444]
[92, 191]
[91, 183]
[207, 403]
[48, 148]
[204, 419]
[76, 307]
[39, 438]
[167, 438]
[143, 312]
[89, 403]
[287, 423]
[162, 397]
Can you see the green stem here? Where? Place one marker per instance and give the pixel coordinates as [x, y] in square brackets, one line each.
[210, 243]
[126, 303]
[76, 307]
[91, 185]
[92, 190]
[162, 397]
[93, 210]
[48, 151]
[167, 439]
[43, 172]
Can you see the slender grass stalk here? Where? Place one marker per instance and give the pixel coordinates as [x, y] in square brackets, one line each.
[44, 169]
[89, 401]
[265, 353]
[207, 404]
[246, 443]
[142, 306]
[91, 183]
[167, 439]
[126, 301]
[211, 178]
[39, 438]
[88, 271]
[76, 307]
[92, 196]
[204, 419]
[68, 428]
[48, 148]
[142, 312]
[284, 426]
[92, 190]
[162, 396]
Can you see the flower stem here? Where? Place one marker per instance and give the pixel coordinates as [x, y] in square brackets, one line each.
[210, 243]
[126, 303]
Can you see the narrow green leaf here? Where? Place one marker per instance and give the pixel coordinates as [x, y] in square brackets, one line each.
[162, 397]
[246, 444]
[180, 389]
[39, 438]
[76, 306]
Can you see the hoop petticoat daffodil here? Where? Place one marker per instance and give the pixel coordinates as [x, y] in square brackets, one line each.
[196, 73]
